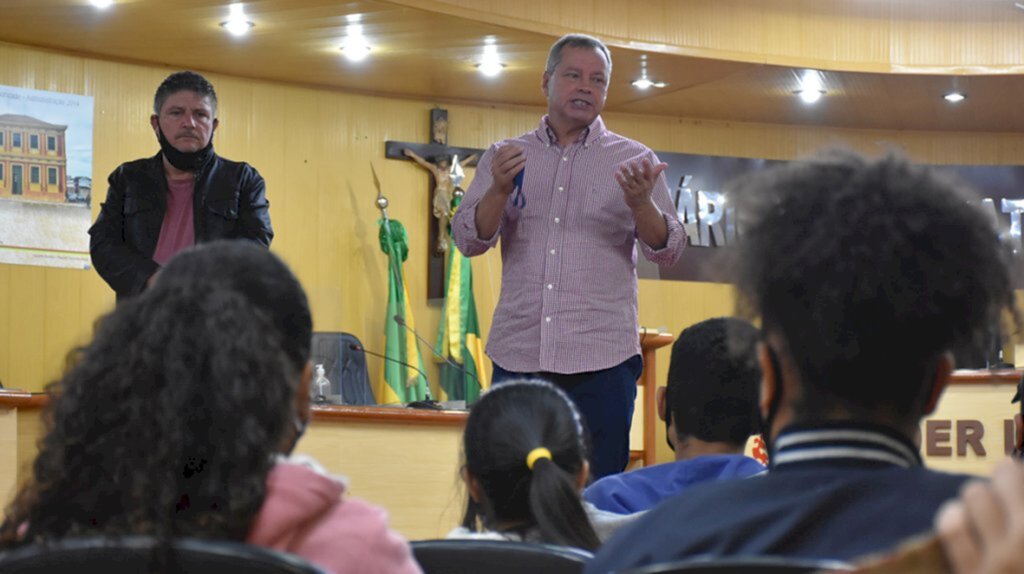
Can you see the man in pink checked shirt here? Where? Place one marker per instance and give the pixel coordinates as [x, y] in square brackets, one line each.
[569, 225]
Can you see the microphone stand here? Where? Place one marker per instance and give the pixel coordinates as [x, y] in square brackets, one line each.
[427, 403]
[460, 368]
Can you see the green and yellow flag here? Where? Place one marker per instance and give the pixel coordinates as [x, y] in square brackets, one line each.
[402, 383]
[458, 336]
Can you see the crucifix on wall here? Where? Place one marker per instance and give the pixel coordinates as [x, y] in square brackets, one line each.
[438, 158]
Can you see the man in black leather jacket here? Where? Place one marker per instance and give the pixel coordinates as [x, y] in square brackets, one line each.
[185, 194]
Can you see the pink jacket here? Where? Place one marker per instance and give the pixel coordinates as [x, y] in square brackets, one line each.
[305, 514]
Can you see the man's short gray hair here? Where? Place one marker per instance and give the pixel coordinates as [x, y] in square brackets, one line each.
[576, 41]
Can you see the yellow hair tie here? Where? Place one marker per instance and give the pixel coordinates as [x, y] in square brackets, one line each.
[535, 455]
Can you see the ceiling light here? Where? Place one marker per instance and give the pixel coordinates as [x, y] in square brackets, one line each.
[810, 96]
[237, 24]
[101, 4]
[355, 49]
[490, 64]
[490, 69]
[354, 46]
[811, 89]
[643, 82]
[1019, 5]
[954, 97]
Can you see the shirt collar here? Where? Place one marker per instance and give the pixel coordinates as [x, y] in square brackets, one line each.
[590, 135]
[832, 442]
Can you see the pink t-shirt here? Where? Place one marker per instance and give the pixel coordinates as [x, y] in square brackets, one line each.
[178, 230]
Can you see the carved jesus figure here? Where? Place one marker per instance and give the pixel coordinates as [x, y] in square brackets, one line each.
[443, 189]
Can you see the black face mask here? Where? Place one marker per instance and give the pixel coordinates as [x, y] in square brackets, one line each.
[773, 406]
[185, 161]
[668, 418]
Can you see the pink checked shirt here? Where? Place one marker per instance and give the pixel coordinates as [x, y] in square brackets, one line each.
[568, 285]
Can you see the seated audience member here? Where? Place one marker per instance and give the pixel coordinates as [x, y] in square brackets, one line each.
[177, 419]
[526, 462]
[709, 409]
[864, 274]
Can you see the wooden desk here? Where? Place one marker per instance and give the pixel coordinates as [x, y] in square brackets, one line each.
[968, 431]
[404, 460]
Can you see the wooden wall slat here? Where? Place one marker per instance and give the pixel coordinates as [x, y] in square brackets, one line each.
[885, 35]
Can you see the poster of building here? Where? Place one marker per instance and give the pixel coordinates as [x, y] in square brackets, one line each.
[45, 177]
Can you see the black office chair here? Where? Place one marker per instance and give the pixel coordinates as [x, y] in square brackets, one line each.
[135, 554]
[496, 557]
[345, 366]
[744, 565]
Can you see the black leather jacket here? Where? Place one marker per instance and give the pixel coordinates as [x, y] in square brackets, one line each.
[230, 202]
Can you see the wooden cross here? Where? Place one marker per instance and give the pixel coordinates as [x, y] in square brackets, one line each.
[435, 157]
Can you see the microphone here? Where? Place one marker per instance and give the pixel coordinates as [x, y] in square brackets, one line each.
[427, 403]
[401, 321]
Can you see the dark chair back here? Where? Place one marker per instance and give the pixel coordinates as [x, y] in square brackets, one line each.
[496, 557]
[344, 367]
[744, 565]
[135, 554]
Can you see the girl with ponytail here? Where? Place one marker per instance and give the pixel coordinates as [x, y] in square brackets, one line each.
[525, 451]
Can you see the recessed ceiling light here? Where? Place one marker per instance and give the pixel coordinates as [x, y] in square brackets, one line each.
[354, 46]
[490, 64]
[355, 49]
[643, 82]
[954, 97]
[101, 4]
[809, 96]
[490, 69]
[237, 24]
[811, 87]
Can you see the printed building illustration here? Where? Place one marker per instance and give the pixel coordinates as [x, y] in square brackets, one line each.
[33, 159]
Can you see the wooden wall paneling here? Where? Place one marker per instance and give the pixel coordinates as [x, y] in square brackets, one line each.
[62, 298]
[6, 300]
[894, 35]
[29, 362]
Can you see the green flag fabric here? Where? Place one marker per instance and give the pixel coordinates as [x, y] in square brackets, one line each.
[458, 335]
[401, 383]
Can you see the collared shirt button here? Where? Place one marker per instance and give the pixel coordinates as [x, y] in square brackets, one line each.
[550, 286]
[560, 188]
[565, 158]
[552, 251]
[557, 220]
[547, 319]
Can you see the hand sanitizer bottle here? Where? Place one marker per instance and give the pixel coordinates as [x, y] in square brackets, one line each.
[321, 386]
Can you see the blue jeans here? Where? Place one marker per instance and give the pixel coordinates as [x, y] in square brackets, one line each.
[605, 399]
